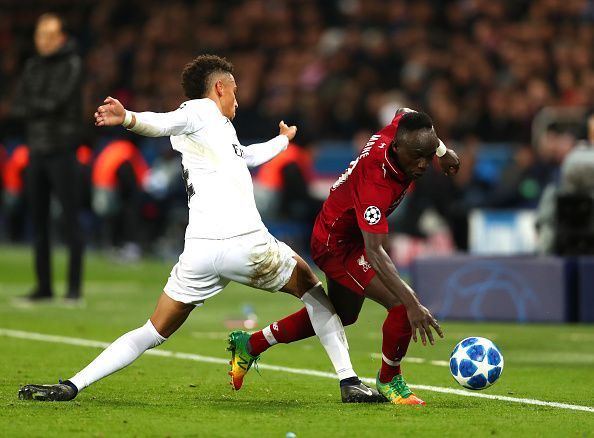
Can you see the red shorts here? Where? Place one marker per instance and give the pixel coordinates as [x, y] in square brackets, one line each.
[345, 263]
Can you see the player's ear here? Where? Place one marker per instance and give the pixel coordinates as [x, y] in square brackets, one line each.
[219, 87]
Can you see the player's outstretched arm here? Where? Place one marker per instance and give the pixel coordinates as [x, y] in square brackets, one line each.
[148, 124]
[419, 316]
[260, 153]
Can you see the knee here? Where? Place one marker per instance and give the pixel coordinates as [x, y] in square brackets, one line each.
[302, 279]
[307, 279]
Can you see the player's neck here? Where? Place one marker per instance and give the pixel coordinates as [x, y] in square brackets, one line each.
[393, 157]
[213, 96]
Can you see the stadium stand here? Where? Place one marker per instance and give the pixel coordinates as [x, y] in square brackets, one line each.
[483, 70]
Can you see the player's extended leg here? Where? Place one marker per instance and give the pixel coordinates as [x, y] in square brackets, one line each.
[294, 327]
[396, 338]
[348, 305]
[304, 284]
[168, 316]
[298, 326]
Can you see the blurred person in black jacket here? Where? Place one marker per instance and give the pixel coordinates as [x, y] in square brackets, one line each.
[48, 98]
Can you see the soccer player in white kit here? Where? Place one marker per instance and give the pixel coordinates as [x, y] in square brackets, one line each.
[225, 239]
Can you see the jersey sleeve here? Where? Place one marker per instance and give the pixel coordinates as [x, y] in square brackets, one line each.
[188, 118]
[197, 113]
[371, 195]
[260, 153]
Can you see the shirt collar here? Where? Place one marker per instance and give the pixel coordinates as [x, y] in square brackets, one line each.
[394, 168]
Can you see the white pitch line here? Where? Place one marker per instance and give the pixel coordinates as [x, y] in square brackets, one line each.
[306, 372]
[407, 359]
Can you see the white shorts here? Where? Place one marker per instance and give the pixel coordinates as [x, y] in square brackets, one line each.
[207, 265]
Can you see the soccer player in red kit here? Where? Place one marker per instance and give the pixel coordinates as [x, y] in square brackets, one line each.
[348, 243]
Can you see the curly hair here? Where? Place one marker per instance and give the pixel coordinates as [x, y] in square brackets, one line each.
[198, 75]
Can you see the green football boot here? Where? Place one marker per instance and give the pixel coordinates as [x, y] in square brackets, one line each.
[397, 391]
[241, 361]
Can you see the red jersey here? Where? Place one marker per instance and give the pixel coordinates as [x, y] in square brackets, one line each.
[365, 194]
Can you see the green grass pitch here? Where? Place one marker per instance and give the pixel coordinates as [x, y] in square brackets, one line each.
[173, 396]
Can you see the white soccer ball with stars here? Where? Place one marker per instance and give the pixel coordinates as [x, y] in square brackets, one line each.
[476, 363]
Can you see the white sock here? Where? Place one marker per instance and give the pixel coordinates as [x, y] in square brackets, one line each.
[121, 353]
[329, 329]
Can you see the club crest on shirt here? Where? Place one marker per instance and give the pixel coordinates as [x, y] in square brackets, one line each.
[365, 265]
[372, 215]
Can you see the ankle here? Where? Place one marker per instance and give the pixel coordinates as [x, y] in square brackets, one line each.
[387, 373]
[349, 381]
[70, 384]
[257, 344]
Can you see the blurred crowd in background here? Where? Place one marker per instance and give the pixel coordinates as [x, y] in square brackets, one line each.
[509, 85]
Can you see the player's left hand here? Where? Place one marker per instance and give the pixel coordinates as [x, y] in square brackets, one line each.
[421, 319]
[450, 163]
[289, 131]
[111, 113]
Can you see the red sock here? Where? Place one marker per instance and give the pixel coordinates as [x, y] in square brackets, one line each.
[257, 343]
[396, 337]
[289, 329]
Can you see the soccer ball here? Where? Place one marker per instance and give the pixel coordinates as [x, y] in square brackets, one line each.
[476, 363]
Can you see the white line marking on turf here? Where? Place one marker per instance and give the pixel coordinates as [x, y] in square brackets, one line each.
[439, 363]
[210, 335]
[198, 358]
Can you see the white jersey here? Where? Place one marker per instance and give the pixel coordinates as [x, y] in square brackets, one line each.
[215, 165]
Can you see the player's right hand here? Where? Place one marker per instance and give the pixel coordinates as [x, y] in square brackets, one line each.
[289, 131]
[450, 163]
[421, 319]
[111, 113]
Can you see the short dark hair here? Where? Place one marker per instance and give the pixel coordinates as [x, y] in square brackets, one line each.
[414, 121]
[198, 74]
[410, 122]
